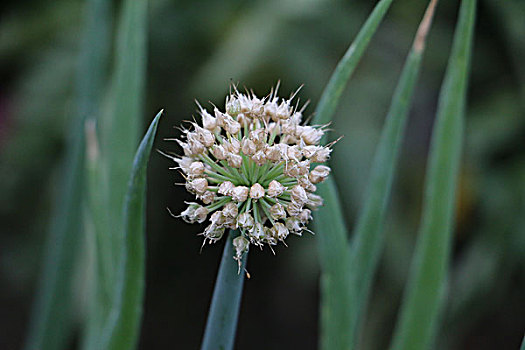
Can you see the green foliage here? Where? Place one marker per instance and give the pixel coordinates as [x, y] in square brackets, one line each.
[226, 301]
[418, 324]
[368, 237]
[123, 327]
[329, 223]
[118, 247]
[52, 321]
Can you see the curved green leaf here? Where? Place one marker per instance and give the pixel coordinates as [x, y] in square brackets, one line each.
[368, 236]
[329, 222]
[330, 98]
[123, 327]
[418, 319]
[226, 301]
[122, 122]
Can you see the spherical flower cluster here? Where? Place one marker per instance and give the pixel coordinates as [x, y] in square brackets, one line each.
[253, 167]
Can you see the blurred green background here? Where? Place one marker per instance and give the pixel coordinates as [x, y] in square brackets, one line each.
[195, 50]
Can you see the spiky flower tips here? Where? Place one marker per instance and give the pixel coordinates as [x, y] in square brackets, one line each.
[254, 168]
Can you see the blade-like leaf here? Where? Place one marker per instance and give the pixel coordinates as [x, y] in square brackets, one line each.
[417, 323]
[122, 329]
[522, 347]
[367, 240]
[51, 320]
[121, 125]
[226, 301]
[329, 223]
[330, 98]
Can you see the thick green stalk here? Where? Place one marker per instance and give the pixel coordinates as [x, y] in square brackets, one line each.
[226, 301]
[418, 321]
[368, 237]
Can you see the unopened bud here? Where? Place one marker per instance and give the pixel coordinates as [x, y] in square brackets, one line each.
[275, 189]
[277, 211]
[319, 173]
[240, 193]
[256, 191]
[226, 188]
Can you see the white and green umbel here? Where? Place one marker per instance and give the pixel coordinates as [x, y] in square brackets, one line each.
[254, 168]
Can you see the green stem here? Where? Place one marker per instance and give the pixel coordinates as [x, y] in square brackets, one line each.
[224, 310]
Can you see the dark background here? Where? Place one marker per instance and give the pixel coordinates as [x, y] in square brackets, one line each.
[195, 50]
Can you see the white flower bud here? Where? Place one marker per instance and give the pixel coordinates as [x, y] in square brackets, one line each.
[230, 210]
[226, 188]
[275, 189]
[199, 185]
[294, 225]
[277, 211]
[256, 191]
[184, 164]
[257, 107]
[294, 153]
[245, 221]
[220, 117]
[205, 136]
[233, 107]
[279, 231]
[208, 121]
[196, 169]
[188, 215]
[299, 195]
[318, 174]
[218, 218]
[219, 152]
[305, 216]
[322, 155]
[270, 109]
[303, 167]
[200, 214]
[240, 245]
[234, 160]
[248, 147]
[288, 127]
[273, 153]
[314, 201]
[240, 193]
[208, 197]
[257, 234]
[233, 146]
[258, 136]
[259, 158]
[310, 135]
[309, 151]
[283, 111]
[294, 208]
[268, 236]
[232, 126]
[213, 233]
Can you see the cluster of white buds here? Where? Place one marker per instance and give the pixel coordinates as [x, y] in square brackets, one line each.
[255, 168]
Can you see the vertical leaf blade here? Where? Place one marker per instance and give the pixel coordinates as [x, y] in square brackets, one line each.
[123, 328]
[221, 325]
[329, 222]
[51, 320]
[330, 98]
[417, 323]
[368, 236]
[121, 126]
